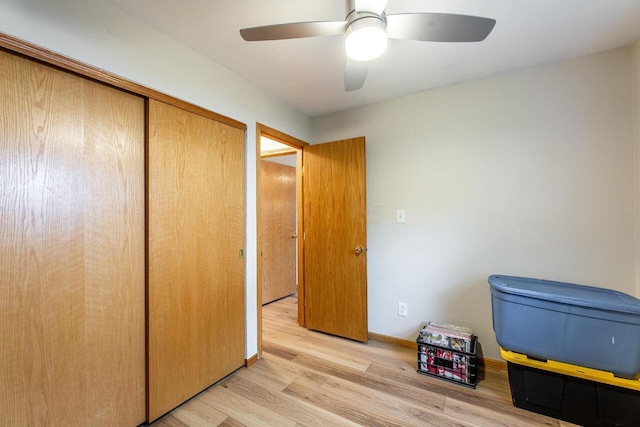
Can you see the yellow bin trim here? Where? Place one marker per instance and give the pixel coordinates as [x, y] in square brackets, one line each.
[571, 370]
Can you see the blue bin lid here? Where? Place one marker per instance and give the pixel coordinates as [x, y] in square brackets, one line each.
[566, 293]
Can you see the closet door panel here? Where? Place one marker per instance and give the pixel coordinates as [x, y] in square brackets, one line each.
[196, 275]
[71, 249]
[115, 251]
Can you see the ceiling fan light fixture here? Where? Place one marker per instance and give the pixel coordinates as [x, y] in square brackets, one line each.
[366, 39]
[367, 27]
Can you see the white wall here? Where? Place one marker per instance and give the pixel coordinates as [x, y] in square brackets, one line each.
[101, 35]
[530, 173]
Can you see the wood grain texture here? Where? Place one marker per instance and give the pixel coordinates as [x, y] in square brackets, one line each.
[278, 223]
[33, 51]
[278, 153]
[71, 249]
[302, 316]
[334, 225]
[279, 136]
[251, 360]
[195, 272]
[304, 377]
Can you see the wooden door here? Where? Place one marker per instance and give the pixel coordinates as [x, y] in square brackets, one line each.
[71, 249]
[335, 238]
[278, 219]
[195, 269]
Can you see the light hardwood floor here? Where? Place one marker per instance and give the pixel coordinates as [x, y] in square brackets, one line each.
[307, 378]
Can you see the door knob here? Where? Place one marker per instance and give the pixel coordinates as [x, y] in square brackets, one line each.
[358, 250]
[294, 236]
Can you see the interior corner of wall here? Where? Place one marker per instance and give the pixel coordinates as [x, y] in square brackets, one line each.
[635, 92]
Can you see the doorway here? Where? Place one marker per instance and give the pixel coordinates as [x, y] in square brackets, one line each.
[279, 243]
[278, 154]
[332, 280]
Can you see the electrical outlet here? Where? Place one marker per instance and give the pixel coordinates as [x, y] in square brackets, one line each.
[402, 309]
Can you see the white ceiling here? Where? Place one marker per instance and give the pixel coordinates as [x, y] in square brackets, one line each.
[308, 73]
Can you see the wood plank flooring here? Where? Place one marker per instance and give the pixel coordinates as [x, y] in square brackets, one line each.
[307, 378]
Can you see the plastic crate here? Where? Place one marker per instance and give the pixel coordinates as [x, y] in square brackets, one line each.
[572, 399]
[452, 365]
[575, 324]
[572, 393]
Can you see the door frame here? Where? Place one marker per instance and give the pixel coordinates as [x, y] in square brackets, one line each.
[297, 146]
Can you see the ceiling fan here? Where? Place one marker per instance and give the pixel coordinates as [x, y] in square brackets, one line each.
[368, 27]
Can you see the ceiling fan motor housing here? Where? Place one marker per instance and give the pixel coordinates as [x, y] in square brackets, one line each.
[366, 34]
[352, 16]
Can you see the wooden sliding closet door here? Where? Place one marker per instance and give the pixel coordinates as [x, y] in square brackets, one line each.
[71, 249]
[196, 272]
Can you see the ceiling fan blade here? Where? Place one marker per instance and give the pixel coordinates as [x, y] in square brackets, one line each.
[439, 27]
[294, 30]
[373, 6]
[355, 74]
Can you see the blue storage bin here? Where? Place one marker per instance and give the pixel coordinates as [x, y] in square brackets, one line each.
[576, 324]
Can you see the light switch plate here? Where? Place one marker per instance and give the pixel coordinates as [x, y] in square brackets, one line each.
[402, 309]
[401, 217]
